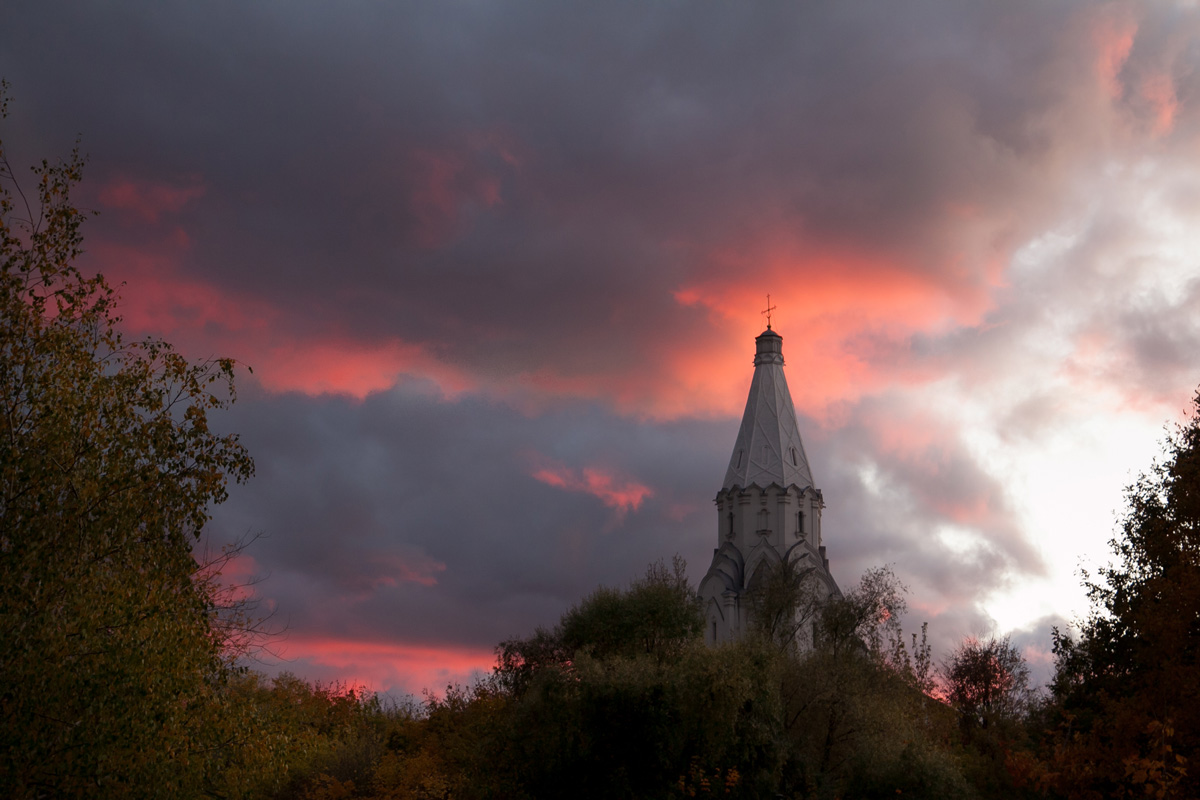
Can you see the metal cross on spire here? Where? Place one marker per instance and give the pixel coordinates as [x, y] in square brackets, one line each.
[768, 311]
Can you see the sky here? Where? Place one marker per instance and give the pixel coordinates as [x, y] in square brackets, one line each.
[497, 268]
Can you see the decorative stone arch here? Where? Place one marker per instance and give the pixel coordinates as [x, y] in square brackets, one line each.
[763, 556]
[728, 561]
[803, 552]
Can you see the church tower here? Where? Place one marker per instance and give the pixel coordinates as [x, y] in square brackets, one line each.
[768, 508]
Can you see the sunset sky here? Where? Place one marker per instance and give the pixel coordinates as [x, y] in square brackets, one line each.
[497, 268]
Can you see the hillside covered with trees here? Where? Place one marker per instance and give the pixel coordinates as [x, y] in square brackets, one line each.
[119, 673]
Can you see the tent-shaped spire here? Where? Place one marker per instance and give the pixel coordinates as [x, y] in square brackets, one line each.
[768, 448]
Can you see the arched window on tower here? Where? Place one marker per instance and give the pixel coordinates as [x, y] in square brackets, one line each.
[799, 524]
[764, 521]
[729, 533]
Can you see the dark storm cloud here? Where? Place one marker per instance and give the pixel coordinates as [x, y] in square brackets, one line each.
[411, 517]
[470, 163]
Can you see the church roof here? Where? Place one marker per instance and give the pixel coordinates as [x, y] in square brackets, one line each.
[768, 448]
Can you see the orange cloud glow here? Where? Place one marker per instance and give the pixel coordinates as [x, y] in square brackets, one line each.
[843, 317]
[903, 433]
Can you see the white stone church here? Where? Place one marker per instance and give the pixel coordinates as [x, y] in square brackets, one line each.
[768, 508]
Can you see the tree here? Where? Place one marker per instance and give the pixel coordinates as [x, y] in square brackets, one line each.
[986, 682]
[656, 615]
[622, 698]
[784, 601]
[870, 616]
[1127, 692]
[855, 707]
[111, 673]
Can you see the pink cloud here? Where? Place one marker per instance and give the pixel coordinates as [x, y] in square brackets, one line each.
[148, 200]
[445, 181]
[234, 578]
[434, 200]
[395, 569]
[346, 367]
[1158, 91]
[382, 665]
[827, 299]
[1112, 36]
[204, 320]
[156, 299]
[615, 491]
[847, 319]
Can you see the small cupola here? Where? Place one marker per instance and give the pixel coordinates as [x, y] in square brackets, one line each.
[768, 348]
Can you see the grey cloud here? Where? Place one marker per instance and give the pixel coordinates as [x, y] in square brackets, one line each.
[352, 495]
[632, 129]
[895, 516]
[1035, 642]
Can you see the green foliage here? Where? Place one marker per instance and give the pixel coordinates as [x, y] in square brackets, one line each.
[856, 715]
[654, 616]
[911, 768]
[657, 615]
[519, 661]
[869, 616]
[597, 711]
[623, 699]
[319, 739]
[744, 720]
[112, 675]
[469, 736]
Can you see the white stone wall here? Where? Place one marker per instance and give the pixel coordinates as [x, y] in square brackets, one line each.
[755, 526]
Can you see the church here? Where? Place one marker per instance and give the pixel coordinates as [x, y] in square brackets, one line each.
[768, 508]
